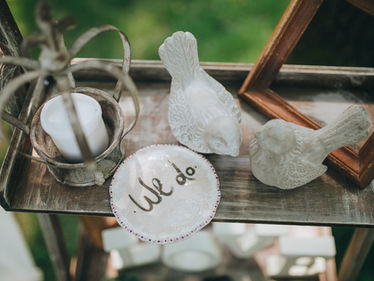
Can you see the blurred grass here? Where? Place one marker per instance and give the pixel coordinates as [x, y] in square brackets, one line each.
[31, 229]
[234, 31]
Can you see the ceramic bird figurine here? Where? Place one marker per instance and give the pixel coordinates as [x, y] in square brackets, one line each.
[286, 155]
[202, 113]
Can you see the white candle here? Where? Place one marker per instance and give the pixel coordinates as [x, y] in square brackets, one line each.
[55, 122]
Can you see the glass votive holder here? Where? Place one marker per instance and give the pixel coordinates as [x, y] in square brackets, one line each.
[77, 174]
[55, 122]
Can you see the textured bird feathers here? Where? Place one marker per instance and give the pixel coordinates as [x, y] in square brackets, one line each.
[350, 127]
[180, 57]
[190, 112]
[285, 170]
[300, 162]
[195, 98]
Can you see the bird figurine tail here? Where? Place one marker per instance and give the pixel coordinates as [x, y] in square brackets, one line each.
[180, 57]
[351, 126]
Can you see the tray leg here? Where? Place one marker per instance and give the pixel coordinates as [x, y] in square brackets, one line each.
[52, 233]
[92, 262]
[95, 225]
[356, 253]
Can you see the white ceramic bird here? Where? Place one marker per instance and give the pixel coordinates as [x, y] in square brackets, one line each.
[202, 113]
[286, 155]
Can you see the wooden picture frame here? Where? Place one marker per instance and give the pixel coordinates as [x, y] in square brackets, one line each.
[357, 166]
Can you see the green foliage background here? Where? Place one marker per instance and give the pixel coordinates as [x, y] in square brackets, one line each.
[226, 30]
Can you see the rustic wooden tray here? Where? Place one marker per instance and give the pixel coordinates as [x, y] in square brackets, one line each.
[26, 185]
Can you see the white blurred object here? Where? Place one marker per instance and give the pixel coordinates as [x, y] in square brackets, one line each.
[140, 254]
[126, 250]
[271, 230]
[16, 263]
[245, 240]
[323, 246]
[286, 267]
[198, 253]
[221, 229]
[301, 256]
[117, 238]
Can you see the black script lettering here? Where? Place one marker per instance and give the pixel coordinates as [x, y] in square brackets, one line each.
[158, 190]
[149, 201]
[190, 171]
[182, 178]
[158, 185]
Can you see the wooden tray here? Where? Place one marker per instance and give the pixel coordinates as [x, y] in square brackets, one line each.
[27, 185]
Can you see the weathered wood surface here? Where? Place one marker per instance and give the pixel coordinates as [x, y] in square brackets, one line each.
[290, 75]
[366, 156]
[328, 200]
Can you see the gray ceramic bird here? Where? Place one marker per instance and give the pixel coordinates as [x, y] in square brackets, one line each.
[202, 113]
[286, 155]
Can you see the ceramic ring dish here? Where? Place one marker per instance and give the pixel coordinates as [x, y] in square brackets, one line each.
[164, 193]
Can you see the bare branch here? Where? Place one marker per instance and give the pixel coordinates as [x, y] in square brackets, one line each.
[11, 87]
[93, 32]
[25, 62]
[122, 77]
[65, 23]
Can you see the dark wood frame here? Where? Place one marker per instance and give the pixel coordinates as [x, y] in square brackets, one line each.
[358, 166]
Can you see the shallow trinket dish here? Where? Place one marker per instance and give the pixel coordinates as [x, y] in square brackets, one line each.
[164, 193]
